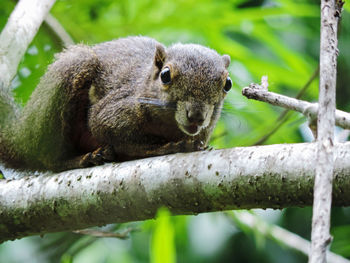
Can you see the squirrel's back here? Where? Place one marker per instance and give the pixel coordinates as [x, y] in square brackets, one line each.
[125, 60]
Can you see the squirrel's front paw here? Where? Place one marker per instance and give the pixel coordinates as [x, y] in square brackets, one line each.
[97, 157]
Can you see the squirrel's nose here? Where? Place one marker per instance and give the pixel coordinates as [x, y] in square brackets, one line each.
[195, 117]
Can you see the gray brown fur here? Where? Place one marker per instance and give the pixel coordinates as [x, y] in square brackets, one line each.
[107, 103]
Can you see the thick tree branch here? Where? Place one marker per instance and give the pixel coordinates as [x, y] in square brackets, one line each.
[274, 176]
[257, 92]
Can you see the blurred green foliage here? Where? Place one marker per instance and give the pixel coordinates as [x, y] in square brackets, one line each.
[162, 243]
[277, 38]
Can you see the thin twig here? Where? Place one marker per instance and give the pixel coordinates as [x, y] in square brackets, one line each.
[99, 233]
[255, 91]
[283, 117]
[59, 30]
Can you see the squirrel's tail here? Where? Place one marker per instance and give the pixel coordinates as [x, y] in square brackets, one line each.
[8, 115]
[8, 108]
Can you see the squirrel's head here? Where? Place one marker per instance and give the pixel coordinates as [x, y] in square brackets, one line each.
[196, 79]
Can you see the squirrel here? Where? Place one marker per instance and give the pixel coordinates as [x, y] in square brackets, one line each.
[120, 100]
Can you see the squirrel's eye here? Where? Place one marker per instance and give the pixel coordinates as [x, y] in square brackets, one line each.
[165, 76]
[228, 85]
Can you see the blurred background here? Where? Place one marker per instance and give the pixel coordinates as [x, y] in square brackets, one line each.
[277, 38]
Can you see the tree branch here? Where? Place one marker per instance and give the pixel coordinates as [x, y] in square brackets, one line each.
[284, 115]
[321, 216]
[257, 92]
[59, 30]
[98, 233]
[274, 176]
[19, 31]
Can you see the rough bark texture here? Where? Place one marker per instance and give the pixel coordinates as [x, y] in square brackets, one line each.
[274, 176]
[320, 236]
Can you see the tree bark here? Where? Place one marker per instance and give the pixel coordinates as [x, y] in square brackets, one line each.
[308, 109]
[273, 176]
[321, 217]
[19, 31]
[59, 30]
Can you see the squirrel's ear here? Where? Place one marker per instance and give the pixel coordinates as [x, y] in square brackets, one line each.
[160, 56]
[227, 60]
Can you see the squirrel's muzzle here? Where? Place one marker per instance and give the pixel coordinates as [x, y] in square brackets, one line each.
[193, 116]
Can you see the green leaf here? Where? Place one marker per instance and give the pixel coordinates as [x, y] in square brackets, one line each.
[163, 241]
